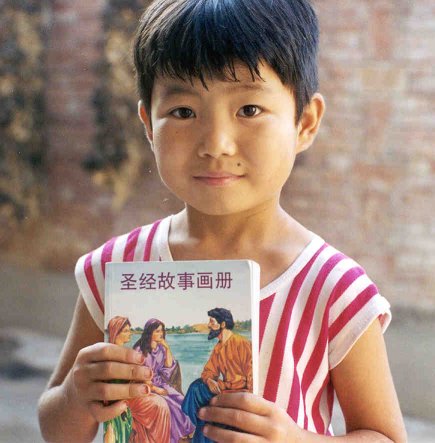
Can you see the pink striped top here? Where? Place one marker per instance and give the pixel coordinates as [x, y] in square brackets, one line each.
[310, 317]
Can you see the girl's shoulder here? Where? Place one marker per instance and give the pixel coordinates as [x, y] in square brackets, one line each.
[140, 244]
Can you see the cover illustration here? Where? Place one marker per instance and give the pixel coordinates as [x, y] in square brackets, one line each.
[196, 324]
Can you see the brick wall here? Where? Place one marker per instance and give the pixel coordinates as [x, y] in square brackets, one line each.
[370, 175]
[366, 186]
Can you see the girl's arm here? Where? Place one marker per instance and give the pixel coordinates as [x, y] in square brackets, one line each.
[366, 392]
[71, 406]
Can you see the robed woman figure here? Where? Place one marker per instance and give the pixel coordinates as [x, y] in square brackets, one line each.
[166, 380]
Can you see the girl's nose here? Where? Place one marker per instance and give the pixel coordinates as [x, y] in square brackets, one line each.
[217, 139]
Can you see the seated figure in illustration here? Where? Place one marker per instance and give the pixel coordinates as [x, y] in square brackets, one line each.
[166, 379]
[229, 368]
[147, 418]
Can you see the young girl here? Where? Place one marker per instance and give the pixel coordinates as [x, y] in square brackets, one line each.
[228, 98]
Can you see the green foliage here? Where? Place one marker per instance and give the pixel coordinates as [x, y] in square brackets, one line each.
[242, 325]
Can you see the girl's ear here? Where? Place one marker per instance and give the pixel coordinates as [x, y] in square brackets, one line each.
[146, 121]
[310, 122]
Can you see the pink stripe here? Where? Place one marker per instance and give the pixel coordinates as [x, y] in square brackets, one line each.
[293, 405]
[353, 308]
[306, 322]
[106, 254]
[345, 281]
[310, 307]
[319, 349]
[89, 273]
[274, 373]
[147, 252]
[317, 417]
[311, 371]
[265, 306]
[130, 245]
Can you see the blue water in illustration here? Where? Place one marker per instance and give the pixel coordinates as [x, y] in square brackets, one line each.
[192, 352]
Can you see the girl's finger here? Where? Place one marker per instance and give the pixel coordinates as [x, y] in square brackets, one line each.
[103, 413]
[236, 418]
[220, 435]
[243, 400]
[109, 352]
[110, 370]
[116, 391]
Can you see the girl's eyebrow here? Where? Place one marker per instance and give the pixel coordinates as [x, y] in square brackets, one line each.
[178, 89]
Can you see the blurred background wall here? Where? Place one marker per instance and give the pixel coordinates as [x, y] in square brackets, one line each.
[75, 167]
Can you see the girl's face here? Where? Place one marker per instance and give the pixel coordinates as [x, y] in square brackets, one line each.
[157, 334]
[232, 145]
[125, 334]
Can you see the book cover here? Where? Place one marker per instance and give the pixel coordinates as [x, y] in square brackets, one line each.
[196, 323]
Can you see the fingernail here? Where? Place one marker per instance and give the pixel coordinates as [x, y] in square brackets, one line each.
[213, 401]
[139, 357]
[144, 389]
[205, 429]
[201, 412]
[124, 406]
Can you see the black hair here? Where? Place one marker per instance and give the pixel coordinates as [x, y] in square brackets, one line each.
[189, 39]
[222, 314]
[144, 343]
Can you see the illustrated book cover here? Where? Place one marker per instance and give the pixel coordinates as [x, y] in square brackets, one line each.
[196, 324]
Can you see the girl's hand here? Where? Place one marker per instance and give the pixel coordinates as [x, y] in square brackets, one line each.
[259, 420]
[95, 367]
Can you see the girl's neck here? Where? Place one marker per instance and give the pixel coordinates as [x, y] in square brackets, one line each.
[238, 231]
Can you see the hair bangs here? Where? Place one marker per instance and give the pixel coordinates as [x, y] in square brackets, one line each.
[205, 39]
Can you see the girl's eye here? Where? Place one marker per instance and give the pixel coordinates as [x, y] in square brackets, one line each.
[182, 113]
[249, 111]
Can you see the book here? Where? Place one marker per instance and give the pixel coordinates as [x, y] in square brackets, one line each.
[196, 323]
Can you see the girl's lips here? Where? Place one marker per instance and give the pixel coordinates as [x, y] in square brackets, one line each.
[220, 180]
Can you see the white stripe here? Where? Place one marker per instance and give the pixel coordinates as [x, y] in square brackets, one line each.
[160, 244]
[354, 289]
[98, 273]
[323, 404]
[119, 248]
[342, 343]
[141, 242]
